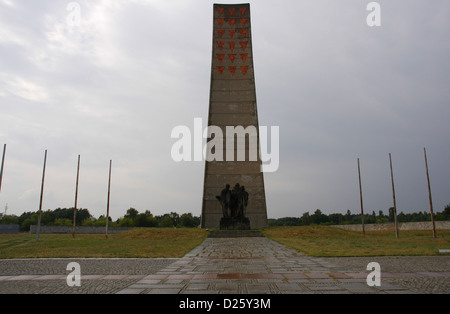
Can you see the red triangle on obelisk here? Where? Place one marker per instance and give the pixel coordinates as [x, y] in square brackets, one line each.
[244, 56]
[220, 10]
[232, 70]
[221, 21]
[220, 56]
[231, 10]
[220, 69]
[221, 32]
[243, 21]
[244, 44]
[244, 69]
[232, 21]
[243, 32]
[220, 44]
[243, 9]
[232, 45]
[232, 56]
[232, 32]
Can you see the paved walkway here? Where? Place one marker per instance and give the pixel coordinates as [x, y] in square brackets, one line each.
[229, 266]
[259, 265]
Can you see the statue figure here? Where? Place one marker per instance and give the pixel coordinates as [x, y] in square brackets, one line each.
[244, 196]
[234, 202]
[225, 200]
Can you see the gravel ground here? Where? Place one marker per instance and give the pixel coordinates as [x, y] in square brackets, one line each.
[60, 287]
[88, 267]
[405, 264]
[94, 266]
[395, 264]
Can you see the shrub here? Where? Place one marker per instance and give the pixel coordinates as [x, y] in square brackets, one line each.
[63, 222]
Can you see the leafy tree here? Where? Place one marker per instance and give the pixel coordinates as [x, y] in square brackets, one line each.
[9, 220]
[391, 214]
[305, 220]
[27, 222]
[88, 222]
[63, 213]
[166, 222]
[145, 220]
[175, 218]
[373, 218]
[445, 215]
[131, 213]
[188, 221]
[47, 217]
[81, 215]
[336, 219]
[447, 211]
[125, 222]
[101, 222]
[318, 217]
[348, 215]
[63, 222]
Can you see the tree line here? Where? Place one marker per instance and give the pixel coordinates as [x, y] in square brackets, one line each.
[132, 218]
[319, 218]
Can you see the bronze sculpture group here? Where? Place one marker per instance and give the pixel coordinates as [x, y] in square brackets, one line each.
[234, 202]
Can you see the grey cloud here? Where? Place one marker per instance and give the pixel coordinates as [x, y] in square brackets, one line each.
[115, 87]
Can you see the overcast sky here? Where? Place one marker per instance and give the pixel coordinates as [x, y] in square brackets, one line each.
[114, 87]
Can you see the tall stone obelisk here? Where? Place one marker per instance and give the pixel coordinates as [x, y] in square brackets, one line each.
[233, 104]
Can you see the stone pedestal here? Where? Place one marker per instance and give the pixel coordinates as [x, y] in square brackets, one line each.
[234, 224]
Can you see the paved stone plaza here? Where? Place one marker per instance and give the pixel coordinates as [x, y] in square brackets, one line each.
[229, 266]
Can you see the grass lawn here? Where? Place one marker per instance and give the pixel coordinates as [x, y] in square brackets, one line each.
[137, 243]
[331, 241]
[158, 242]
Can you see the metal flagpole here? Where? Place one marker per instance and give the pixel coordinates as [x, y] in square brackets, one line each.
[361, 199]
[107, 204]
[76, 199]
[40, 202]
[3, 163]
[429, 194]
[393, 196]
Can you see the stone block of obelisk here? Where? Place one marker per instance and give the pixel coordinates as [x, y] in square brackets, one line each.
[233, 107]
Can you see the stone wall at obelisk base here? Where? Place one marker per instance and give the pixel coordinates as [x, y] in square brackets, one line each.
[233, 103]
